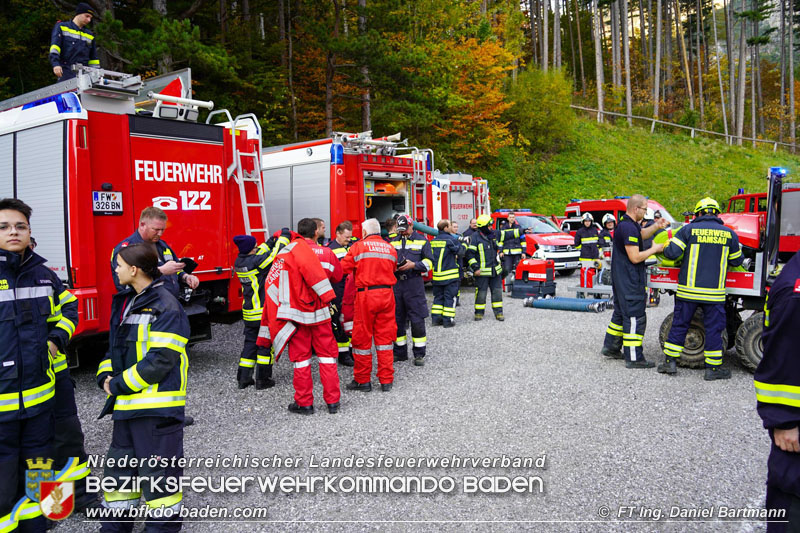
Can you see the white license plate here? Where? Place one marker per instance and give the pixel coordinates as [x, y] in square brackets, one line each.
[106, 203]
[573, 264]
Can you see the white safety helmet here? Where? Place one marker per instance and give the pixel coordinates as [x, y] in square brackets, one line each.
[587, 216]
[608, 217]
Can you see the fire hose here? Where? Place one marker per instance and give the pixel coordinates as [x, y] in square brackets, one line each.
[567, 304]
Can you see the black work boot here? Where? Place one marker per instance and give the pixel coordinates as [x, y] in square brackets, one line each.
[264, 377]
[613, 354]
[346, 359]
[669, 366]
[436, 320]
[355, 385]
[244, 377]
[449, 322]
[333, 408]
[478, 317]
[716, 372]
[499, 317]
[301, 410]
[641, 363]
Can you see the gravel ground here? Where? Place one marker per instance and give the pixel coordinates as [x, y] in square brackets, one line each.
[618, 445]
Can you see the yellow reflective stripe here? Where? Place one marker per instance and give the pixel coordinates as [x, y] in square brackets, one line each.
[723, 265]
[162, 339]
[94, 62]
[67, 325]
[150, 400]
[66, 297]
[119, 496]
[633, 239]
[166, 501]
[105, 366]
[54, 48]
[76, 32]
[613, 332]
[777, 393]
[691, 277]
[9, 402]
[735, 255]
[679, 242]
[41, 393]
[60, 362]
[134, 380]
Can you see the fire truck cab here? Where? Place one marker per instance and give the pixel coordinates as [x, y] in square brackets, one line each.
[90, 153]
[747, 203]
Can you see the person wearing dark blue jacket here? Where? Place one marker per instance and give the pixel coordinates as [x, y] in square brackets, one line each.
[32, 335]
[446, 248]
[707, 248]
[587, 238]
[511, 240]
[482, 260]
[144, 375]
[777, 384]
[72, 43]
[414, 259]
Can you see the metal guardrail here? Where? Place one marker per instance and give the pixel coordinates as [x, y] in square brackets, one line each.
[729, 139]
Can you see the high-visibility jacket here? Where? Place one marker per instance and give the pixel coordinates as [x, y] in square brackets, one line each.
[415, 248]
[252, 269]
[373, 260]
[777, 378]
[606, 238]
[35, 308]
[512, 239]
[147, 354]
[298, 292]
[445, 248]
[482, 254]
[708, 248]
[587, 240]
[70, 44]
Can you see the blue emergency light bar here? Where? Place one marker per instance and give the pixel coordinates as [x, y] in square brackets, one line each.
[778, 170]
[337, 153]
[512, 211]
[740, 191]
[621, 197]
[65, 103]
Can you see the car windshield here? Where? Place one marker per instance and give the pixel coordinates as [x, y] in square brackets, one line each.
[538, 224]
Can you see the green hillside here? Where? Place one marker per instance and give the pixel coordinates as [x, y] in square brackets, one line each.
[676, 170]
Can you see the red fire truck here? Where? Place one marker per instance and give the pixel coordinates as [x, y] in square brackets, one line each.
[746, 290]
[90, 153]
[757, 203]
[353, 176]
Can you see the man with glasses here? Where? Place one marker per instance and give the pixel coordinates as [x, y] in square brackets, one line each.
[152, 223]
[625, 333]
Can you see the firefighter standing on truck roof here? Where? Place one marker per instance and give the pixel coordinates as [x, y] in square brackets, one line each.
[628, 322]
[445, 247]
[152, 223]
[372, 262]
[339, 246]
[777, 384]
[299, 289]
[251, 267]
[72, 43]
[482, 260]
[144, 375]
[414, 258]
[708, 248]
[511, 241]
[29, 389]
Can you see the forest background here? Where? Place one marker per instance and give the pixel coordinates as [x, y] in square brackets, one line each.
[487, 84]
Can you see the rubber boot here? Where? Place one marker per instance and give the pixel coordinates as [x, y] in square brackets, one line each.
[264, 377]
[449, 322]
[436, 320]
[669, 366]
[244, 376]
[716, 372]
[346, 358]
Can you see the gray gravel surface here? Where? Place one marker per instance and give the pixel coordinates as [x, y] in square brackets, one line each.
[532, 386]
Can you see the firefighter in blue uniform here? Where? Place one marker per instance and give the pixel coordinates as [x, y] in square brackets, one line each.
[512, 243]
[707, 248]
[71, 43]
[446, 248]
[482, 259]
[607, 233]
[145, 375]
[42, 316]
[587, 239]
[625, 332]
[414, 258]
[252, 266]
[777, 384]
[152, 223]
[341, 242]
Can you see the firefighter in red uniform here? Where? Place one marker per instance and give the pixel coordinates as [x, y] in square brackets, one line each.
[298, 293]
[414, 258]
[339, 245]
[373, 262]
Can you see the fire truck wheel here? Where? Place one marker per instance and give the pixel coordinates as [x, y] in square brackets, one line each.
[692, 356]
[566, 272]
[748, 341]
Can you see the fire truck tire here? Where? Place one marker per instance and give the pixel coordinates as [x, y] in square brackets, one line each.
[566, 272]
[693, 356]
[748, 341]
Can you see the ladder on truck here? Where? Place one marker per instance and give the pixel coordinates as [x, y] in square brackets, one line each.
[250, 196]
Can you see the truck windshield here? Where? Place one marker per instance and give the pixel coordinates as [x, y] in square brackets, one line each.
[538, 224]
